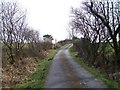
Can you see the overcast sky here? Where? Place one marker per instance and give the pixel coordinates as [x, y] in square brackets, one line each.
[49, 16]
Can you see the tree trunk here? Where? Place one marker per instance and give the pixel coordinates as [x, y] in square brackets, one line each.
[11, 56]
[117, 53]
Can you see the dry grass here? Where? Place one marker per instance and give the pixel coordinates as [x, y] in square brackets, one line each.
[19, 71]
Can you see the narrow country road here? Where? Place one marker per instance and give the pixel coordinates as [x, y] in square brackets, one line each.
[66, 73]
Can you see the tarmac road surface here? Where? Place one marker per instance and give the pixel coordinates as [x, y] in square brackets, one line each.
[64, 72]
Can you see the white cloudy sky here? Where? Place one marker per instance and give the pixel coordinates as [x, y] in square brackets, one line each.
[49, 16]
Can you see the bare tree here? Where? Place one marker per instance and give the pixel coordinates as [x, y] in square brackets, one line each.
[98, 22]
[109, 14]
[89, 27]
[12, 24]
[19, 34]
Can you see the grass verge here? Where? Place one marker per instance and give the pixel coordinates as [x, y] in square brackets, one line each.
[37, 79]
[110, 83]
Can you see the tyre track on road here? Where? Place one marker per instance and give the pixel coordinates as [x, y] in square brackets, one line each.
[70, 74]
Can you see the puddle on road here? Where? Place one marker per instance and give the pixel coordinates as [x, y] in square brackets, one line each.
[69, 73]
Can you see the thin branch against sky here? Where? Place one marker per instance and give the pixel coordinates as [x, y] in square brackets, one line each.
[49, 16]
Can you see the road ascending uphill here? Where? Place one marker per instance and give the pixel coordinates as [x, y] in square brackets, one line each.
[66, 73]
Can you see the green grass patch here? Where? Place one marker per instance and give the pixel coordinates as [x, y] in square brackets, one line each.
[98, 75]
[38, 78]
